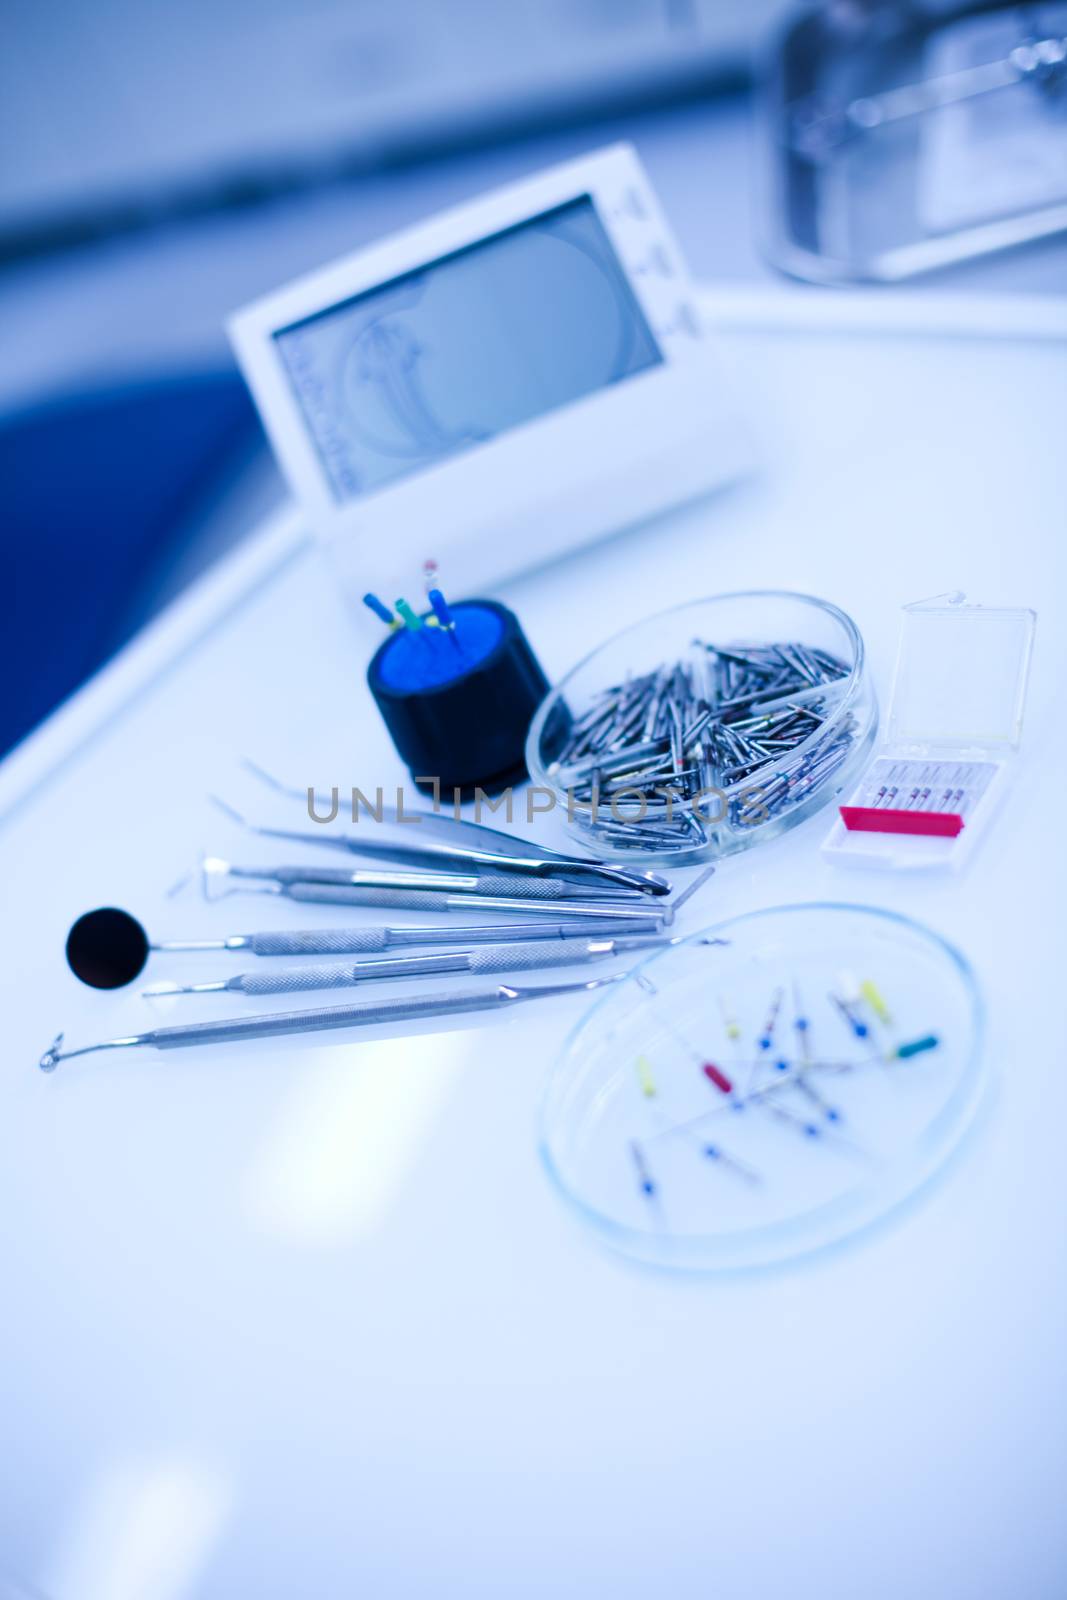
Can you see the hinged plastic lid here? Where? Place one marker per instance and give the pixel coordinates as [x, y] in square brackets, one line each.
[961, 674]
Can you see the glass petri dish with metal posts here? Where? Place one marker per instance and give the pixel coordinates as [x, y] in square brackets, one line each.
[708, 728]
[768, 1088]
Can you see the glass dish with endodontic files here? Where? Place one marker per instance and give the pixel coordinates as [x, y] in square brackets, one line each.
[767, 1088]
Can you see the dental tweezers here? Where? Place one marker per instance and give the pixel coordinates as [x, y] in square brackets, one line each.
[433, 855]
[500, 851]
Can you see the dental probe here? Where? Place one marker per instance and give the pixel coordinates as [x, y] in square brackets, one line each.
[109, 948]
[366, 1013]
[490, 958]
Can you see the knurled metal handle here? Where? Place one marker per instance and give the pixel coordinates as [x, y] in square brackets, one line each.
[360, 1014]
[526, 957]
[295, 980]
[347, 894]
[524, 888]
[511, 886]
[325, 942]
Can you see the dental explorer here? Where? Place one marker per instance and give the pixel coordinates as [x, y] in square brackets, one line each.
[367, 1013]
[489, 958]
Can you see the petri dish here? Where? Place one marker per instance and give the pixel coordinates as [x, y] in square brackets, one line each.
[812, 713]
[767, 1088]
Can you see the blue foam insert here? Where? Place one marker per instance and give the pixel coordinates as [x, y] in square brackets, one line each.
[433, 657]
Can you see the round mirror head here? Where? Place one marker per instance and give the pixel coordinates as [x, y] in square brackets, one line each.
[107, 948]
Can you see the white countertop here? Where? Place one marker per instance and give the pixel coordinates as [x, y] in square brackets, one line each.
[311, 1321]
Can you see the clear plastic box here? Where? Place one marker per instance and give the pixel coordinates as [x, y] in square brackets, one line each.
[954, 722]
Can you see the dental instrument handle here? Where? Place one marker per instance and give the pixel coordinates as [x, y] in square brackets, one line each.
[427, 900]
[320, 942]
[359, 941]
[297, 980]
[362, 1014]
[496, 861]
[431, 853]
[367, 1013]
[421, 882]
[528, 957]
[490, 959]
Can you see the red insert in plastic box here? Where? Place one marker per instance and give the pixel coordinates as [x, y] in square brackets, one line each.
[869, 819]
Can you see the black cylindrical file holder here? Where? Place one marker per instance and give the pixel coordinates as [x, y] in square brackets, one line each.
[458, 701]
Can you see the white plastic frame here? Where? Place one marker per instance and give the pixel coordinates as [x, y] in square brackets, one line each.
[920, 852]
[601, 462]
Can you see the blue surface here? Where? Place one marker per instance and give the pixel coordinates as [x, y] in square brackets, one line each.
[97, 490]
[431, 657]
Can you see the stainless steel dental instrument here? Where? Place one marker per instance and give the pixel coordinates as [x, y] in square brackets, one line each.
[450, 829]
[217, 873]
[533, 864]
[483, 960]
[498, 884]
[366, 1013]
[108, 948]
[357, 941]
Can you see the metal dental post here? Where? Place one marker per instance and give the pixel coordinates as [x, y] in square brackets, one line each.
[366, 1013]
[754, 727]
[489, 958]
